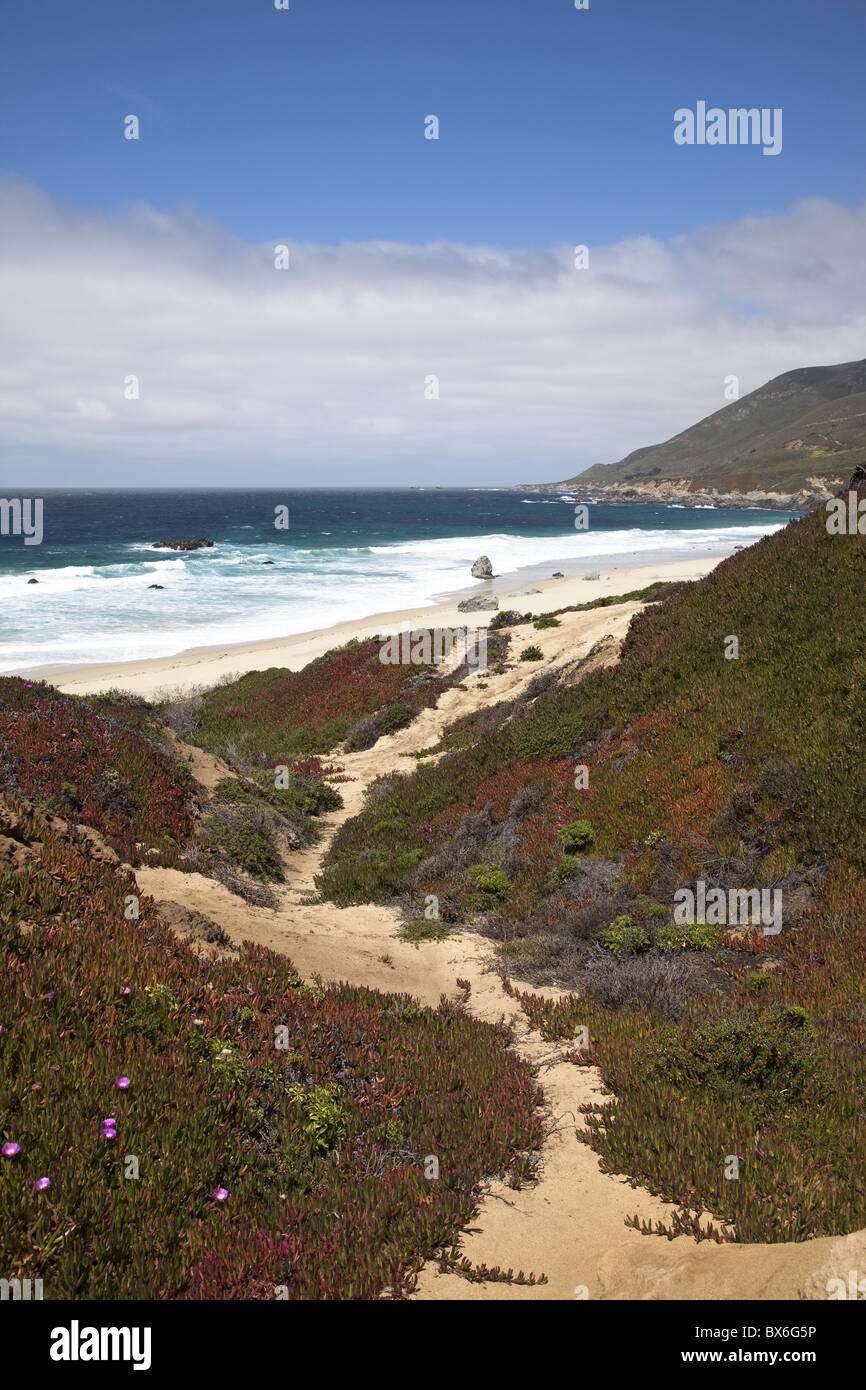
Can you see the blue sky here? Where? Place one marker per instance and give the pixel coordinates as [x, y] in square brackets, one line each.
[309, 123]
[411, 257]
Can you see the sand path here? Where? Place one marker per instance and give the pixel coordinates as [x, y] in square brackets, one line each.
[570, 1224]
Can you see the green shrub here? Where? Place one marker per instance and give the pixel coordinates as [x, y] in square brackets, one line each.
[150, 1016]
[424, 929]
[410, 860]
[395, 717]
[624, 936]
[234, 790]
[532, 654]
[648, 905]
[576, 838]
[506, 617]
[372, 727]
[324, 798]
[326, 1121]
[756, 980]
[546, 620]
[767, 1060]
[227, 1061]
[309, 797]
[565, 869]
[387, 827]
[491, 881]
[250, 850]
[689, 936]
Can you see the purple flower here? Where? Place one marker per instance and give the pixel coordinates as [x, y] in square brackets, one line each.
[126, 990]
[122, 1082]
[42, 1184]
[109, 1134]
[221, 1194]
[10, 1150]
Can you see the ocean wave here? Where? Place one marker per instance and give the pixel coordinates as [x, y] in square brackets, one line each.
[104, 613]
[81, 578]
[513, 552]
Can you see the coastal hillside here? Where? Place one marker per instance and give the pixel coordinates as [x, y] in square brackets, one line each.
[563, 824]
[790, 444]
[181, 1115]
[447, 895]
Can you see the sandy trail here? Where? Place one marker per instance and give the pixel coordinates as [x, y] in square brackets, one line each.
[570, 1224]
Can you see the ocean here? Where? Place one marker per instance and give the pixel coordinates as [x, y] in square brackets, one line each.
[347, 553]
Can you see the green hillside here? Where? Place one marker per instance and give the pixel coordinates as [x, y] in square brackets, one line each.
[746, 773]
[800, 433]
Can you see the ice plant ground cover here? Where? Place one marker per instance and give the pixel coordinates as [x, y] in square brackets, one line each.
[277, 715]
[106, 763]
[92, 762]
[745, 773]
[158, 1144]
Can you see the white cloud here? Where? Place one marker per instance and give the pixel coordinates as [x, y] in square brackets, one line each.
[315, 375]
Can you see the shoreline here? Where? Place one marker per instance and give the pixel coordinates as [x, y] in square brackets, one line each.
[202, 667]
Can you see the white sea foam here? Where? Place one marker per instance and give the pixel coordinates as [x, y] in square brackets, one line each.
[83, 614]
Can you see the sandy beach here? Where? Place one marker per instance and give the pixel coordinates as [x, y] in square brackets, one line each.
[204, 667]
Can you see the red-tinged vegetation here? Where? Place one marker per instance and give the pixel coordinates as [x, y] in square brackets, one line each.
[686, 764]
[320, 1144]
[279, 715]
[93, 767]
[778, 1085]
[348, 694]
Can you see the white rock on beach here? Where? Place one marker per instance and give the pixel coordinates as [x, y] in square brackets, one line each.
[479, 602]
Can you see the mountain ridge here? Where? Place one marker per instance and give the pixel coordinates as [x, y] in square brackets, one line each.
[789, 444]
